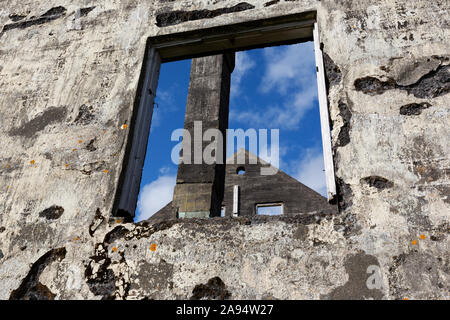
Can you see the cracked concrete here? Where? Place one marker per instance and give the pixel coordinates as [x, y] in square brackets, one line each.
[68, 81]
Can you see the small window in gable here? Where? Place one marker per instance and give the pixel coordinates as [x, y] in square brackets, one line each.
[267, 35]
[269, 209]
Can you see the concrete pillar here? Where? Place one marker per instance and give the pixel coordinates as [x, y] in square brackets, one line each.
[200, 186]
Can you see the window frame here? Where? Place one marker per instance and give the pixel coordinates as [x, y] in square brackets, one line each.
[269, 204]
[289, 29]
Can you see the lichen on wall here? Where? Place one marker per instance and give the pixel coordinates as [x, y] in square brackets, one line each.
[68, 81]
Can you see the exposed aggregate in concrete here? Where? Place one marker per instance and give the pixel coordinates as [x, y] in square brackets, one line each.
[68, 81]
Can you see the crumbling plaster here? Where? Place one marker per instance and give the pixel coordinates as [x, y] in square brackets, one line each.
[67, 87]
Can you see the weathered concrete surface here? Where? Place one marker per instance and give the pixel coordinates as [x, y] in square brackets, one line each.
[67, 85]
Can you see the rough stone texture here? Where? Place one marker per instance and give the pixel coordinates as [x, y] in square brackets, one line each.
[68, 78]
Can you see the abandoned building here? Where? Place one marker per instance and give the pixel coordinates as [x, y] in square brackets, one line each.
[246, 191]
[77, 88]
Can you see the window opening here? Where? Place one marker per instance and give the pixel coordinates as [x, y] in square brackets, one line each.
[269, 209]
[274, 32]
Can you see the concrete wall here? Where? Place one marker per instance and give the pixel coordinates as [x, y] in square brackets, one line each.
[68, 80]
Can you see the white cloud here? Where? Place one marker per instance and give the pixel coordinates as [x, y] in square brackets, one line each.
[310, 171]
[288, 66]
[286, 116]
[154, 196]
[243, 64]
[290, 71]
[165, 170]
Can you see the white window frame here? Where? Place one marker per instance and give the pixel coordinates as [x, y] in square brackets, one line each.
[235, 201]
[324, 116]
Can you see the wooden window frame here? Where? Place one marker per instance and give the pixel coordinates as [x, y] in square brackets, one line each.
[290, 29]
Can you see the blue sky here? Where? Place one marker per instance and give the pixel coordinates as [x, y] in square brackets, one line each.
[271, 88]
